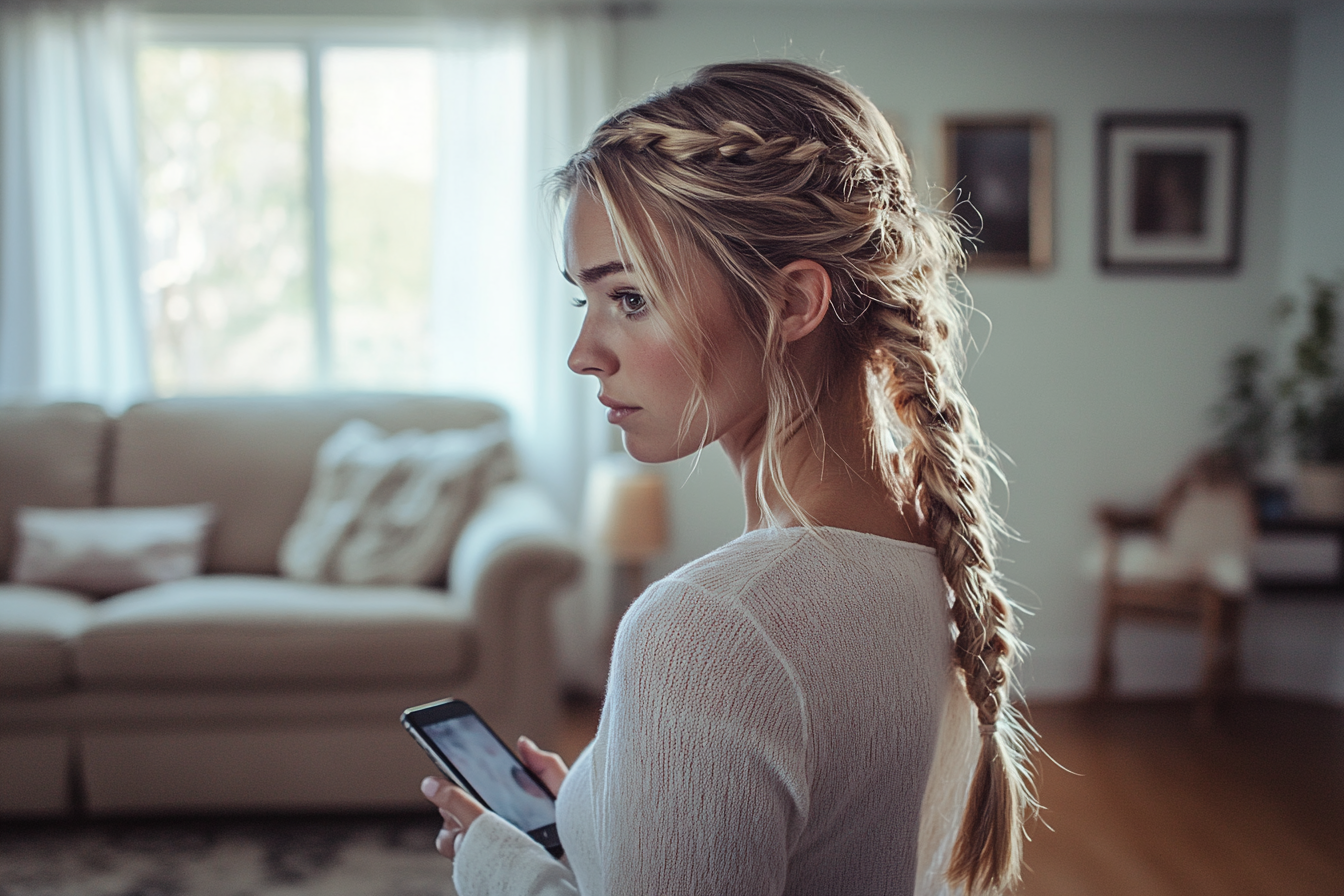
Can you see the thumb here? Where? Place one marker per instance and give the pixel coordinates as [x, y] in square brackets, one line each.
[549, 767]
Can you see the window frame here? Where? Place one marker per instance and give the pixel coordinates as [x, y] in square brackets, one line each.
[312, 37]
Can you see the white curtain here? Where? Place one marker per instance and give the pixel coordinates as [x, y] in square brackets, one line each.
[71, 313]
[503, 318]
[502, 314]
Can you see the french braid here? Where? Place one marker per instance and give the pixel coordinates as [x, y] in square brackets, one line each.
[752, 166]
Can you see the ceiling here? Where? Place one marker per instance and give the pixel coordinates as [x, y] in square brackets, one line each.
[1210, 6]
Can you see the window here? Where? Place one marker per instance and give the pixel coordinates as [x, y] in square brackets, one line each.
[289, 205]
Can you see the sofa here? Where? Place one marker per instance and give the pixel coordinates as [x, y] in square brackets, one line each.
[238, 688]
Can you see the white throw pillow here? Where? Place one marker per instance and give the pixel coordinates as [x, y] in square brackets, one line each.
[106, 550]
[387, 509]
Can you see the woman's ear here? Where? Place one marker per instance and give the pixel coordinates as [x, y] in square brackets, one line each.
[809, 300]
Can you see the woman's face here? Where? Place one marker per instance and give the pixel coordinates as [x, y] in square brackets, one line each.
[632, 353]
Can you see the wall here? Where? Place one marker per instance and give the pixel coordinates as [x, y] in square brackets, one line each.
[1097, 386]
[1300, 645]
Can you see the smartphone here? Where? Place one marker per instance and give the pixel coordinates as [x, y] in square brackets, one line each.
[475, 759]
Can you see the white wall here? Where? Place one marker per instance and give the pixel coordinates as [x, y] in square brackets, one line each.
[1097, 386]
[1298, 647]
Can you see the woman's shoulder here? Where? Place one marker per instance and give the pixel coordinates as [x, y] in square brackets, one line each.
[736, 566]
[774, 563]
[767, 600]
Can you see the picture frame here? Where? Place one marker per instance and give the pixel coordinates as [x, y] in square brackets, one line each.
[1170, 192]
[999, 170]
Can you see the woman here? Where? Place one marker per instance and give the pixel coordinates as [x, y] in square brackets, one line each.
[785, 714]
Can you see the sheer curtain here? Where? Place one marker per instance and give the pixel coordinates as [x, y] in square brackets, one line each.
[502, 314]
[71, 313]
[533, 91]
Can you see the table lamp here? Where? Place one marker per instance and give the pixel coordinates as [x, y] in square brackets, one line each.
[625, 518]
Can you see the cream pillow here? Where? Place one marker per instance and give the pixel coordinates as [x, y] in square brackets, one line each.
[106, 550]
[387, 509]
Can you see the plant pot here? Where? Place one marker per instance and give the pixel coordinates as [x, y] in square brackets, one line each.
[1320, 491]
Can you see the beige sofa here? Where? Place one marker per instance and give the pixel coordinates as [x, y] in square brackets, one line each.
[240, 689]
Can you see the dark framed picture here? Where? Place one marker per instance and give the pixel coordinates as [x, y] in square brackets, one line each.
[1170, 192]
[999, 170]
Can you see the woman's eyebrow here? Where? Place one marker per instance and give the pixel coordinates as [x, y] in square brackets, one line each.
[598, 271]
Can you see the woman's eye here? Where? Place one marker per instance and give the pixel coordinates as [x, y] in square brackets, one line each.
[631, 302]
[578, 302]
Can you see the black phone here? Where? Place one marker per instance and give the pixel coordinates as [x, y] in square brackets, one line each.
[475, 759]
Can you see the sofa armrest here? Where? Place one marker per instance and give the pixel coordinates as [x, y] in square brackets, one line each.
[513, 557]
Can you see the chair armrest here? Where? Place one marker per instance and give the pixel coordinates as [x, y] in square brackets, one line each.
[513, 557]
[1116, 520]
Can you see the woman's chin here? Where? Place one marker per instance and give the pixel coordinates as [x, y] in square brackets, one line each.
[647, 451]
[641, 451]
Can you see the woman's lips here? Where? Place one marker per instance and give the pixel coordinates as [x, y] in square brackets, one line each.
[616, 412]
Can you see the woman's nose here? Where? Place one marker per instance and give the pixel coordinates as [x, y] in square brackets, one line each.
[590, 355]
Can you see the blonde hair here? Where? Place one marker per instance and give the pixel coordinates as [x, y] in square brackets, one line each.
[751, 166]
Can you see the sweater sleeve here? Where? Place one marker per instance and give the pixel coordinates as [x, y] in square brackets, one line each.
[497, 858]
[699, 772]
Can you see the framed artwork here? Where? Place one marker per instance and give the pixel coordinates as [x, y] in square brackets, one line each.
[999, 172]
[1170, 193]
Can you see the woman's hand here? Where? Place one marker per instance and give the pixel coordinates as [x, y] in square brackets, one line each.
[459, 808]
[549, 767]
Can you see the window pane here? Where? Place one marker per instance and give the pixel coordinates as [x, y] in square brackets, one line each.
[223, 134]
[380, 122]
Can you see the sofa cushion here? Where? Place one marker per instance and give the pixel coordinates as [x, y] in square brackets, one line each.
[105, 550]
[252, 457]
[36, 628]
[258, 630]
[51, 455]
[387, 509]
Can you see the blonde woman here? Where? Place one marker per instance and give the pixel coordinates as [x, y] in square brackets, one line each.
[820, 706]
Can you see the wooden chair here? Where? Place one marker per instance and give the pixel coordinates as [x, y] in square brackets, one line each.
[1186, 562]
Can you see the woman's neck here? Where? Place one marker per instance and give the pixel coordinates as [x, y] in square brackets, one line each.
[834, 481]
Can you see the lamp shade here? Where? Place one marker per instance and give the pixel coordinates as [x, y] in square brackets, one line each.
[625, 509]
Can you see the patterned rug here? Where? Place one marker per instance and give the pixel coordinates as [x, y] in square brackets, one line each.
[366, 855]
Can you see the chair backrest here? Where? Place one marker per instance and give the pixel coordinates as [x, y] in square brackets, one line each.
[1211, 520]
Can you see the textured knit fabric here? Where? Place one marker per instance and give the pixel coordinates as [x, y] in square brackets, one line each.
[769, 727]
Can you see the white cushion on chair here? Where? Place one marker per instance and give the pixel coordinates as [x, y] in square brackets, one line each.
[1209, 538]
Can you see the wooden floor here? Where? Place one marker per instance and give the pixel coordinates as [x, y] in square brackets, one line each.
[1150, 805]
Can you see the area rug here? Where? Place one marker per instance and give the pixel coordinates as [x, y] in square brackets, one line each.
[380, 855]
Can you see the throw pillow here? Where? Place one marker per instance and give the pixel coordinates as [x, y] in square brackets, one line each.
[387, 509]
[107, 550]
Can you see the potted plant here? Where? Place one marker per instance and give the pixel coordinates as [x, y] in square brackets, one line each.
[1245, 419]
[1245, 415]
[1305, 406]
[1314, 401]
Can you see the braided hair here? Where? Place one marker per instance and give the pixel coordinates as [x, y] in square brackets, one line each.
[751, 166]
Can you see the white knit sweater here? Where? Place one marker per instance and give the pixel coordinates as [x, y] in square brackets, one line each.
[769, 727]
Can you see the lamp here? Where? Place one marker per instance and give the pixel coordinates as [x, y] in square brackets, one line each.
[625, 518]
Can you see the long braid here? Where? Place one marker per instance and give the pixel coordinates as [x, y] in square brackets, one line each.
[754, 165]
[946, 469]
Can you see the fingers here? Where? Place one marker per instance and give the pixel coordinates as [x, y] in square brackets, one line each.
[458, 810]
[448, 840]
[547, 766]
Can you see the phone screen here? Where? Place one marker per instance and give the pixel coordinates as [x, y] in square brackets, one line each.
[492, 771]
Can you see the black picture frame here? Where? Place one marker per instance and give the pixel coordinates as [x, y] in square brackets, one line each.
[1170, 192]
[999, 170]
